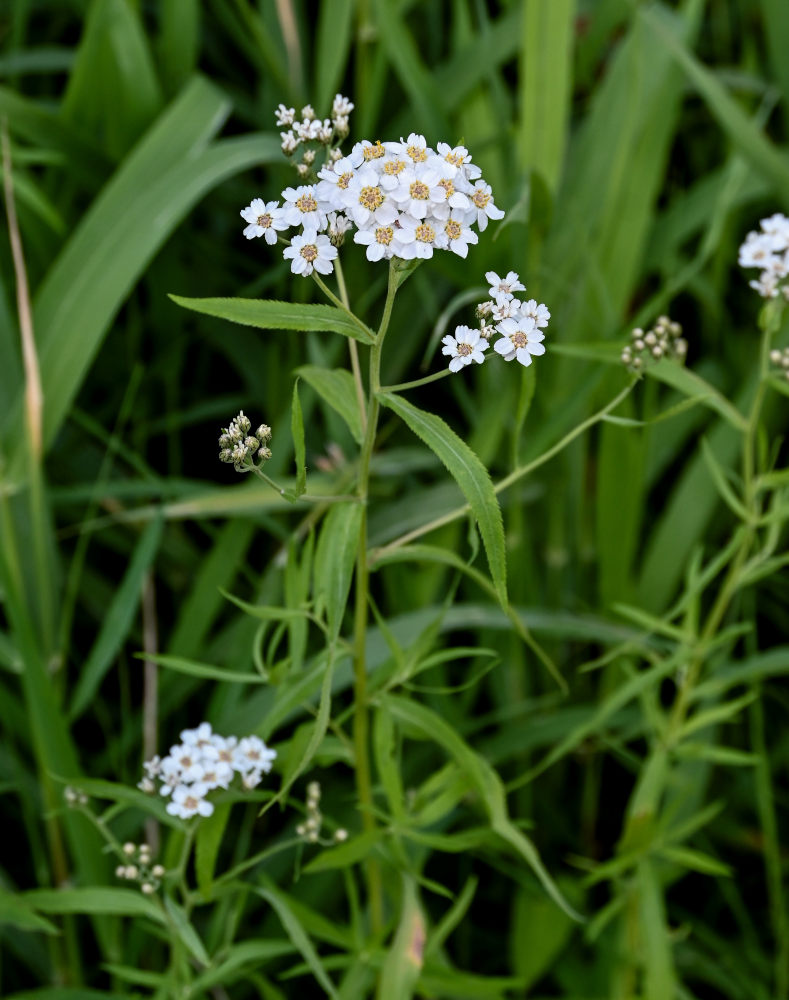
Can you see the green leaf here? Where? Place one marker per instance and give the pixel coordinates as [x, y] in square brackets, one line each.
[335, 30]
[186, 931]
[206, 670]
[695, 387]
[117, 620]
[336, 386]
[297, 431]
[335, 556]
[660, 980]
[279, 901]
[14, 910]
[99, 901]
[207, 843]
[112, 791]
[545, 86]
[486, 783]
[403, 961]
[718, 714]
[696, 861]
[470, 475]
[266, 314]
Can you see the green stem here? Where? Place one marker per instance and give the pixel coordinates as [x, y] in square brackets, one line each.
[361, 721]
[353, 348]
[340, 304]
[401, 386]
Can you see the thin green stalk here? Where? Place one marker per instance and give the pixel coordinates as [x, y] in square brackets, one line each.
[339, 303]
[353, 349]
[401, 386]
[361, 722]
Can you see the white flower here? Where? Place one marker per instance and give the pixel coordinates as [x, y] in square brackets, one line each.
[341, 106]
[505, 286]
[301, 207]
[264, 220]
[187, 758]
[199, 737]
[482, 207]
[325, 131]
[769, 251]
[458, 160]
[217, 774]
[366, 151]
[254, 755]
[384, 241]
[538, 312]
[289, 141]
[448, 198]
[189, 800]
[364, 200]
[424, 236]
[170, 775]
[417, 192]
[251, 779]
[504, 307]
[456, 237]
[333, 181]
[466, 346]
[308, 112]
[520, 340]
[414, 147]
[153, 766]
[310, 252]
[285, 115]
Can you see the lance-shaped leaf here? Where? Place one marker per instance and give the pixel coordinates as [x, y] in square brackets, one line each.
[469, 473]
[268, 314]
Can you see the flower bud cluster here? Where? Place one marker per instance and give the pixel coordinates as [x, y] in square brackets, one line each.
[768, 250]
[74, 797]
[311, 129]
[201, 762]
[310, 829]
[242, 449]
[663, 340]
[519, 324]
[137, 867]
[780, 358]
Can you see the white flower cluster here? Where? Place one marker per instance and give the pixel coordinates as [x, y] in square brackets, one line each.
[769, 251]
[519, 325]
[202, 761]
[403, 199]
[311, 129]
[241, 448]
[663, 340]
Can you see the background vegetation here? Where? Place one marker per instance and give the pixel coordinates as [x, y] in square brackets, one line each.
[633, 145]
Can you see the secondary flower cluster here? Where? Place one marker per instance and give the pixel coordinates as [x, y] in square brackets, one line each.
[241, 448]
[310, 829]
[312, 130]
[202, 761]
[663, 340]
[769, 251]
[137, 867]
[780, 358]
[402, 199]
[519, 325]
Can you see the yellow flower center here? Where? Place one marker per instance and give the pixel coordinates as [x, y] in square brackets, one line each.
[419, 191]
[371, 198]
[480, 198]
[264, 220]
[384, 235]
[190, 802]
[456, 159]
[425, 233]
[448, 186]
[309, 252]
[453, 229]
[374, 151]
[519, 339]
[464, 349]
[394, 167]
[345, 180]
[417, 153]
[306, 203]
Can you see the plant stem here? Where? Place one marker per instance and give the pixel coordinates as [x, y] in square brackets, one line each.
[401, 386]
[353, 348]
[361, 721]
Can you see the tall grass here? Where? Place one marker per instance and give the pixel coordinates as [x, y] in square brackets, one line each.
[633, 145]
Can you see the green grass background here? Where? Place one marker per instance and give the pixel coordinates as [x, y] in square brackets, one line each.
[632, 145]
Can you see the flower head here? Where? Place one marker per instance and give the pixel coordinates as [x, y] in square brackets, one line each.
[520, 340]
[310, 252]
[466, 346]
[768, 250]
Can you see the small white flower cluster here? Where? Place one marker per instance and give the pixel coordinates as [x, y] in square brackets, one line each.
[241, 448]
[663, 340]
[202, 761]
[327, 132]
[769, 251]
[137, 867]
[310, 829]
[780, 358]
[74, 797]
[519, 325]
[403, 199]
